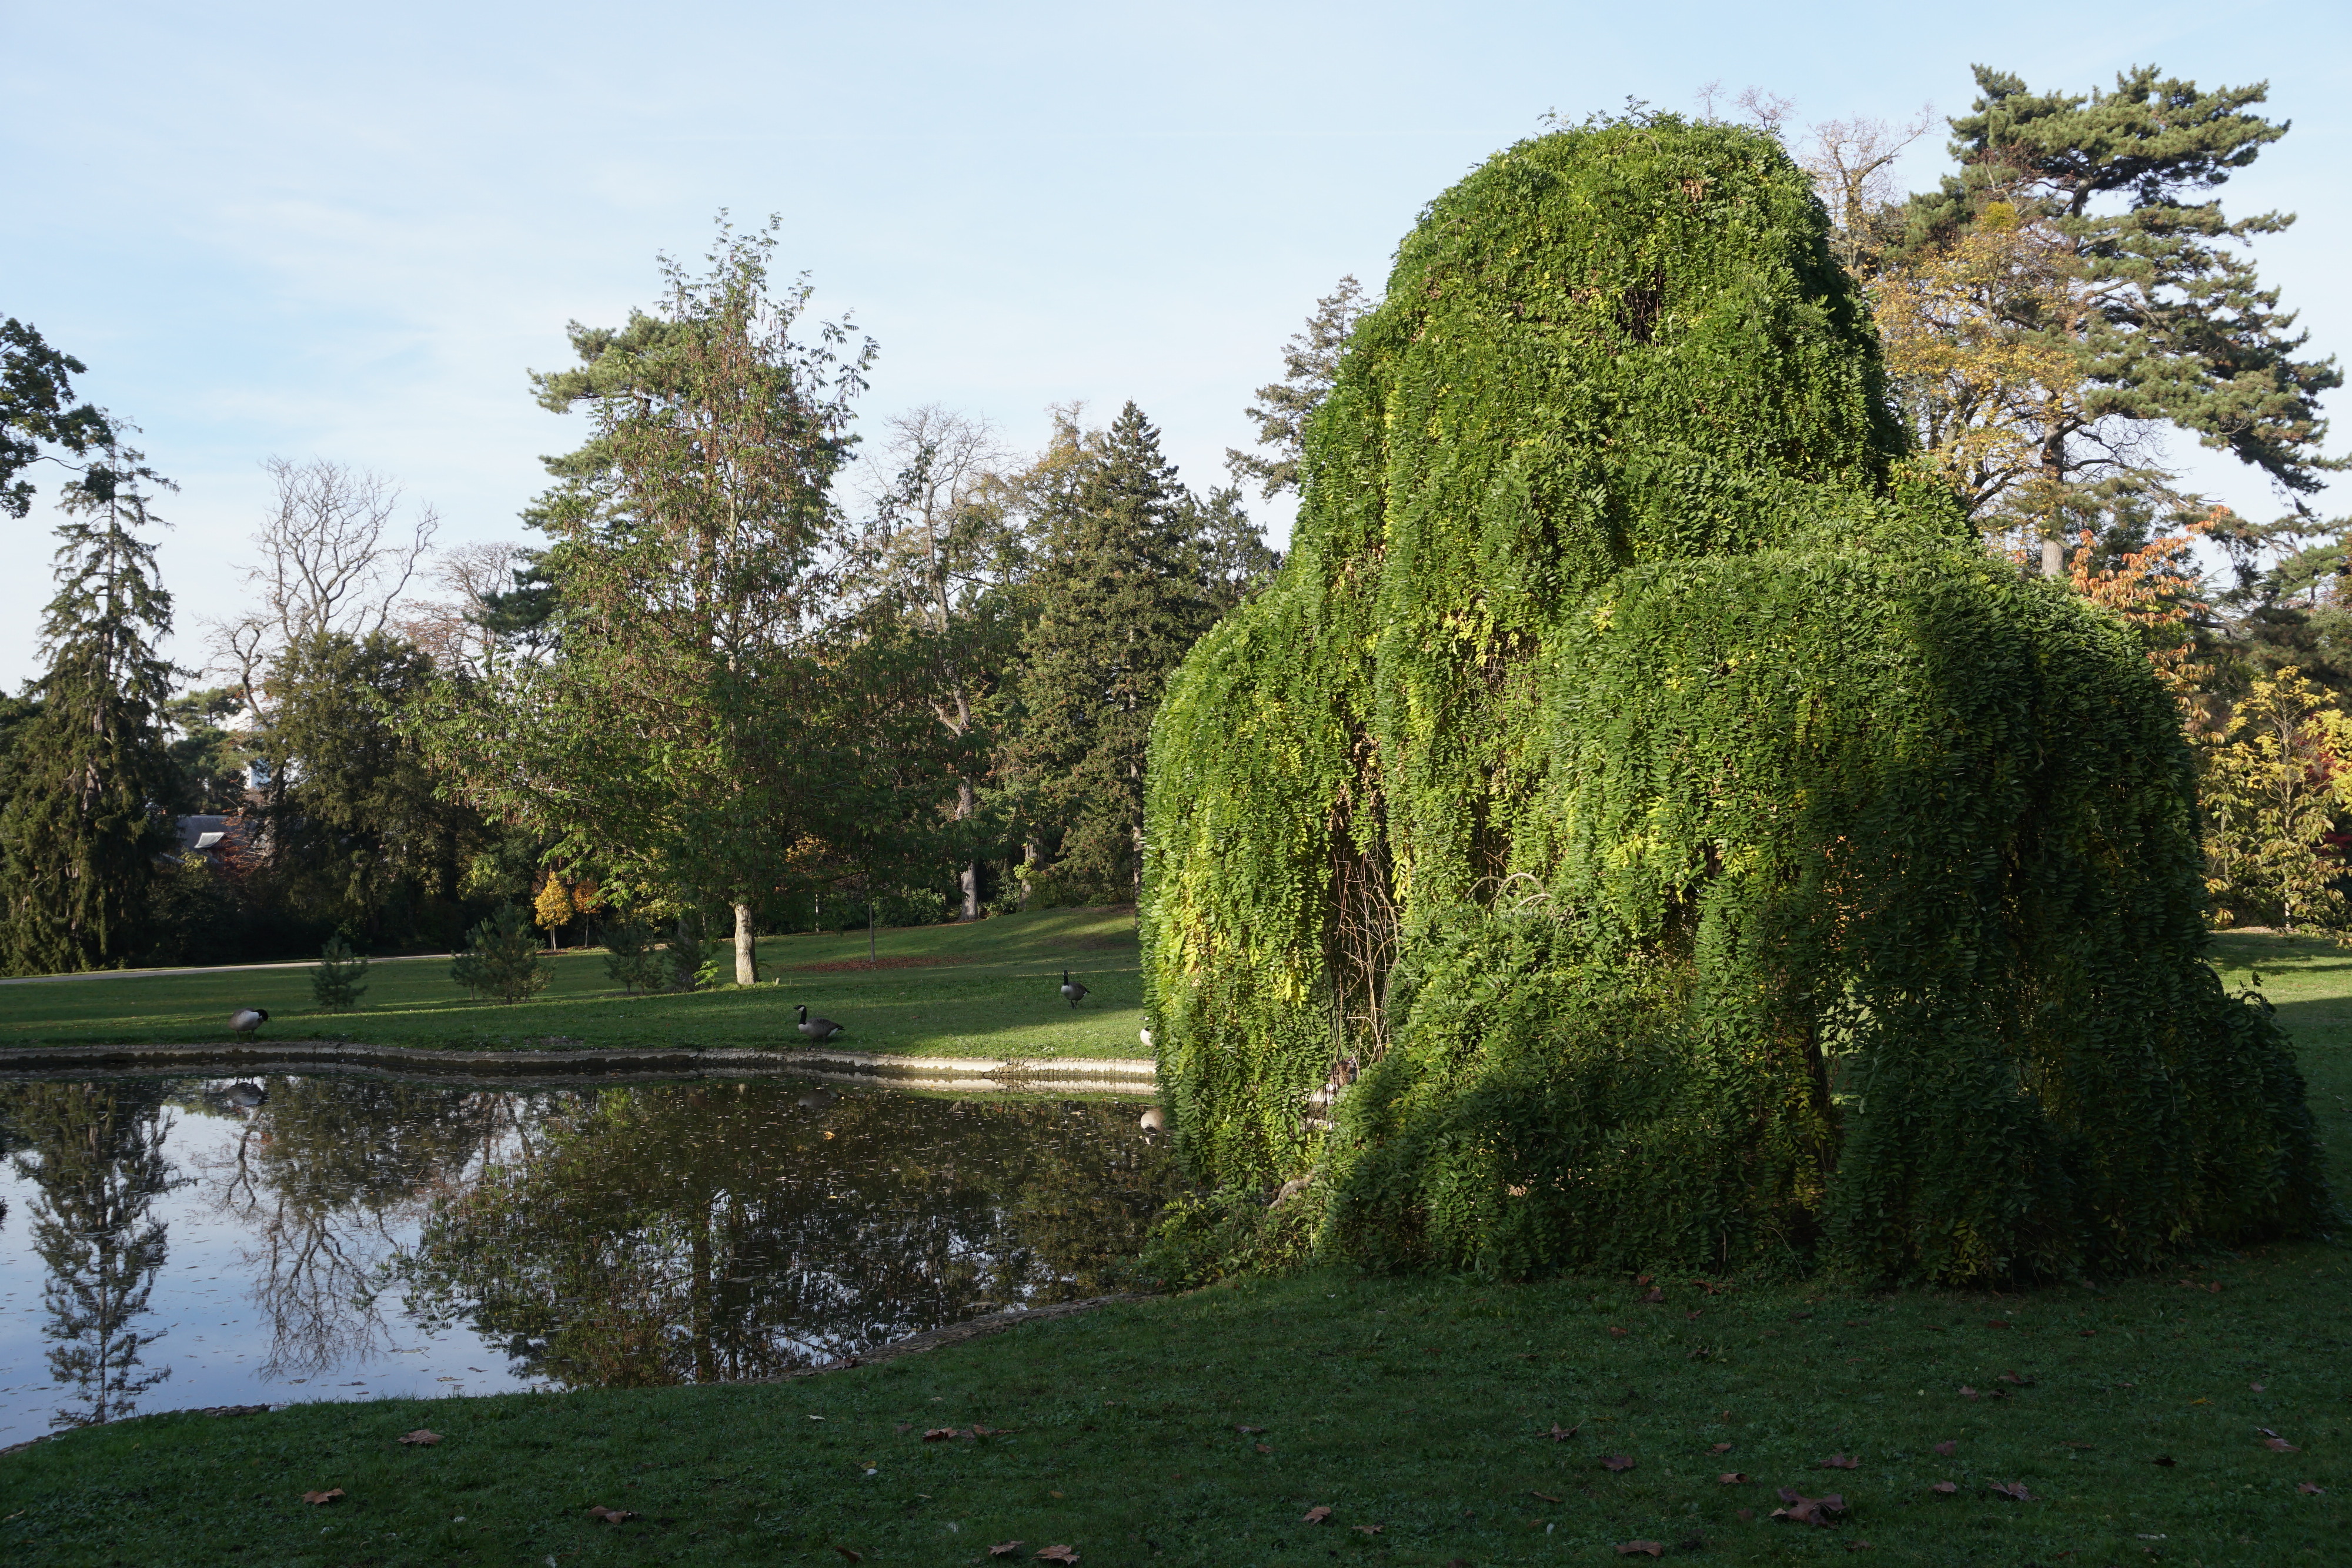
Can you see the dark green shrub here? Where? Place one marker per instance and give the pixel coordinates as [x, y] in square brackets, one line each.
[1707, 857]
[630, 957]
[503, 959]
[341, 978]
[687, 955]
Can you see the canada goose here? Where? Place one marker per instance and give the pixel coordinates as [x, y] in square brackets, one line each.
[1071, 989]
[245, 1020]
[818, 1028]
[818, 1099]
[1144, 1035]
[245, 1095]
[1154, 1120]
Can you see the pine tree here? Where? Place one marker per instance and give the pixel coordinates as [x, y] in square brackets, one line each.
[83, 828]
[1309, 362]
[1122, 601]
[2125, 297]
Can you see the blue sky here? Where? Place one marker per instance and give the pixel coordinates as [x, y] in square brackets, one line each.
[334, 232]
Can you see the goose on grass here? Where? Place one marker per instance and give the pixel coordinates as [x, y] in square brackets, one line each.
[1075, 992]
[245, 1020]
[817, 1027]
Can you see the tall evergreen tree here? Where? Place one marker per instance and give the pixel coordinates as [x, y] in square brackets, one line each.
[83, 824]
[2117, 298]
[1310, 362]
[1122, 599]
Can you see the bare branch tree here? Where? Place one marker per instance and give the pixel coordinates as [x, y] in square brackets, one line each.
[456, 630]
[1852, 162]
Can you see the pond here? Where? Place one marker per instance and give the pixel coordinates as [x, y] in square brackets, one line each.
[170, 1243]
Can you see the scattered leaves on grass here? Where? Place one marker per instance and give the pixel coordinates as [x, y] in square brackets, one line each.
[1544, 1496]
[321, 1499]
[1947, 1447]
[1840, 1462]
[1369, 1529]
[1732, 1479]
[1809, 1510]
[1944, 1488]
[2309, 1489]
[1058, 1554]
[1318, 1514]
[2280, 1446]
[2167, 1460]
[597, 1510]
[420, 1438]
[2014, 1490]
[1560, 1434]
[1007, 1548]
[1617, 1462]
[1641, 1549]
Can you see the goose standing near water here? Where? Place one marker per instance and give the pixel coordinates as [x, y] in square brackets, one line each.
[1075, 992]
[245, 1020]
[817, 1027]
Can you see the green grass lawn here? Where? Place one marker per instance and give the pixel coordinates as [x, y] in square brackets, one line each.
[986, 990]
[1468, 1422]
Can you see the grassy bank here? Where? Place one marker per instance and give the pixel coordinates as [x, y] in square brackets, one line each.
[1469, 1422]
[988, 989]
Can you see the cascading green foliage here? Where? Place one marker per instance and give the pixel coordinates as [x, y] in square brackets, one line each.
[1706, 855]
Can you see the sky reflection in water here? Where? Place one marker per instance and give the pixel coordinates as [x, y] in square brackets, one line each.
[166, 1244]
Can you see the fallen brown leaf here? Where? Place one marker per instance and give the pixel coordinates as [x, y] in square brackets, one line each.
[1690, 1317]
[1052, 1494]
[1263, 1447]
[2255, 1387]
[1560, 1434]
[1616, 1462]
[1616, 1333]
[1545, 1495]
[1644, 1279]
[1809, 1510]
[846, 1552]
[420, 1438]
[1316, 1514]
[980, 1431]
[1947, 1447]
[1007, 1548]
[1946, 1487]
[940, 1434]
[618, 1515]
[1731, 1479]
[2167, 1460]
[1748, 1516]
[1653, 1298]
[2280, 1446]
[2309, 1489]
[1998, 1323]
[2020, 1382]
[1641, 1549]
[322, 1498]
[1857, 1546]
[1966, 1393]
[2085, 1448]
[1249, 1431]
[1058, 1554]
[1840, 1462]
[2014, 1490]
[1369, 1529]
[1720, 1448]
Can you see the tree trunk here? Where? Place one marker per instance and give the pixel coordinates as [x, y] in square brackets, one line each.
[969, 878]
[1030, 852]
[870, 930]
[747, 955]
[2053, 559]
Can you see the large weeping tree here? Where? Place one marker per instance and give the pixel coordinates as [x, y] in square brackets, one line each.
[83, 825]
[1641, 826]
[695, 538]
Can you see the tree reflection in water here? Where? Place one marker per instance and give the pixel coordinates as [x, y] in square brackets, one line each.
[95, 1156]
[324, 1174]
[696, 1233]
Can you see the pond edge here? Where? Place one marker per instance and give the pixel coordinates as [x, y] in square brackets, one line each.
[925, 1072]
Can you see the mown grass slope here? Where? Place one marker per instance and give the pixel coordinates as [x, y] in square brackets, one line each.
[986, 990]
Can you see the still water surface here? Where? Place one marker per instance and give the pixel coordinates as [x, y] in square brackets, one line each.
[168, 1243]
